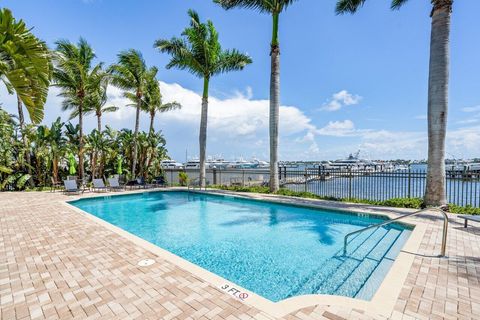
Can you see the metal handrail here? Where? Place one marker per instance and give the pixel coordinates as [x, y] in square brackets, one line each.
[199, 184]
[445, 228]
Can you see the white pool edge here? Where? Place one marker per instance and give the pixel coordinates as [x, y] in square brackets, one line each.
[382, 303]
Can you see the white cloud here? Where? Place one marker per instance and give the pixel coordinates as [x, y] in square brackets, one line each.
[471, 109]
[341, 99]
[338, 129]
[238, 126]
[421, 117]
[468, 121]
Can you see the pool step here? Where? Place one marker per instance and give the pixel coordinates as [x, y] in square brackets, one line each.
[340, 274]
[352, 261]
[371, 285]
[331, 267]
[365, 270]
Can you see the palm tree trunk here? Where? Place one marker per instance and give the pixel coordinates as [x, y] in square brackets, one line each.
[21, 120]
[99, 122]
[55, 168]
[152, 118]
[202, 138]
[435, 194]
[274, 105]
[135, 136]
[94, 164]
[80, 143]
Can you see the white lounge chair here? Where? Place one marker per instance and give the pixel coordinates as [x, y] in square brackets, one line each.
[71, 187]
[99, 185]
[114, 184]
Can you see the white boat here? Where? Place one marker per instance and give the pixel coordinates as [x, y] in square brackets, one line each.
[219, 163]
[195, 164]
[260, 163]
[401, 167]
[353, 162]
[171, 164]
[241, 164]
[464, 166]
[192, 164]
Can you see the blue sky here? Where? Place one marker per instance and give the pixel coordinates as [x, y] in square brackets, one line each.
[347, 82]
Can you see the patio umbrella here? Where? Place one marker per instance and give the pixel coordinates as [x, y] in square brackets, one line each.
[119, 165]
[71, 164]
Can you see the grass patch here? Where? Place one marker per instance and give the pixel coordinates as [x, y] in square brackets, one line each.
[410, 203]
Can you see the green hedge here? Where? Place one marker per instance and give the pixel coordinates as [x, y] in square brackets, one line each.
[411, 203]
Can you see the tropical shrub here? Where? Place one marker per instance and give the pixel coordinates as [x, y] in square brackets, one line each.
[183, 178]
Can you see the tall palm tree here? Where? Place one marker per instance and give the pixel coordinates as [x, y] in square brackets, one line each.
[274, 8]
[25, 69]
[130, 74]
[75, 77]
[153, 102]
[96, 99]
[98, 145]
[200, 52]
[54, 142]
[435, 194]
[25, 65]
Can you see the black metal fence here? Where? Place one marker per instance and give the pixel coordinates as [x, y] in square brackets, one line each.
[463, 187]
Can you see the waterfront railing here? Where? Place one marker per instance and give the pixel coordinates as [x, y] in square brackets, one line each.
[462, 186]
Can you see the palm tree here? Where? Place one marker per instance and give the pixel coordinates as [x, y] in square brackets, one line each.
[200, 52]
[76, 78]
[153, 102]
[25, 68]
[96, 99]
[435, 194]
[130, 74]
[25, 65]
[55, 144]
[98, 144]
[274, 8]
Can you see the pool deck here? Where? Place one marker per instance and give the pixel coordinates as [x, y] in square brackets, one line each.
[57, 263]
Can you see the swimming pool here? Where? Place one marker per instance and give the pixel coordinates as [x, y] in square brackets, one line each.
[275, 250]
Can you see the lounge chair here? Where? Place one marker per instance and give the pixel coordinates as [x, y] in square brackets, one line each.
[132, 184]
[99, 185]
[138, 183]
[159, 182]
[143, 184]
[55, 184]
[71, 187]
[114, 184]
[471, 218]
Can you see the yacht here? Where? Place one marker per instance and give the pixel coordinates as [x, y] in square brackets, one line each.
[353, 162]
[219, 163]
[260, 163]
[241, 164]
[171, 164]
[195, 164]
[192, 164]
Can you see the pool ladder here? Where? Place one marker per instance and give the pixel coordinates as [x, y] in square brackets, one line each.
[444, 236]
[195, 183]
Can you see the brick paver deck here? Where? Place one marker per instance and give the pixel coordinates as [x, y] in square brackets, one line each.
[57, 264]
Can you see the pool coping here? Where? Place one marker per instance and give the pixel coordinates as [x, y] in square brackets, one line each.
[382, 303]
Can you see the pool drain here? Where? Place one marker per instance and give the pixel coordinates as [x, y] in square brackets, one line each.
[146, 262]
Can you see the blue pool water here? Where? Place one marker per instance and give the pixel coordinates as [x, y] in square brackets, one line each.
[275, 250]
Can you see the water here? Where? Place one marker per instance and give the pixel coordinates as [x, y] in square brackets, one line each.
[277, 251]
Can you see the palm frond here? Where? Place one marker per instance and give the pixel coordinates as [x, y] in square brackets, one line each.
[199, 50]
[348, 6]
[396, 4]
[264, 6]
